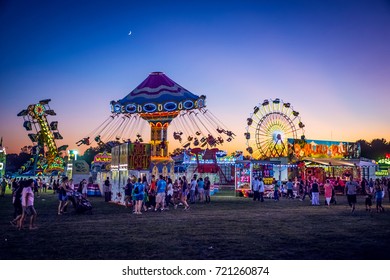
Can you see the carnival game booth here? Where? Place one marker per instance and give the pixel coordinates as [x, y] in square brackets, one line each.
[79, 170]
[383, 167]
[334, 160]
[337, 171]
[100, 170]
[247, 170]
[129, 160]
[135, 160]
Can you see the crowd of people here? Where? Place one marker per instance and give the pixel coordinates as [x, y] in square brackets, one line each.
[300, 189]
[162, 193]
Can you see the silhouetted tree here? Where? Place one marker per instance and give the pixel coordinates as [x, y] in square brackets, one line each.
[376, 149]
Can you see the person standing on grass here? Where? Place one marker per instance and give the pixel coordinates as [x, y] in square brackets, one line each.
[69, 192]
[128, 190]
[371, 185]
[160, 197]
[328, 192]
[201, 189]
[62, 197]
[368, 199]
[379, 197]
[255, 189]
[84, 188]
[168, 200]
[107, 190]
[261, 189]
[152, 193]
[276, 190]
[306, 190]
[207, 185]
[290, 193]
[55, 186]
[176, 193]
[315, 193]
[138, 194]
[3, 187]
[28, 205]
[17, 202]
[184, 192]
[351, 190]
[36, 187]
[193, 190]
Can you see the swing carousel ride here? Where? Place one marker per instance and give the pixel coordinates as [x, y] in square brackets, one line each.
[161, 102]
[46, 156]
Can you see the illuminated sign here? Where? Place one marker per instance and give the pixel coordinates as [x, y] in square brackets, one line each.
[298, 149]
[382, 173]
[268, 181]
[102, 158]
[384, 161]
[139, 156]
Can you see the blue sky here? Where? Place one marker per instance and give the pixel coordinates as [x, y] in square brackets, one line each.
[329, 59]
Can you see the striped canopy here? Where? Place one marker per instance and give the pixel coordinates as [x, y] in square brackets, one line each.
[157, 93]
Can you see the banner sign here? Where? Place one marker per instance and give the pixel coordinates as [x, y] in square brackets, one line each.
[102, 158]
[139, 156]
[298, 149]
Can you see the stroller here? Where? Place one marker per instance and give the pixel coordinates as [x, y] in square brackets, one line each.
[80, 203]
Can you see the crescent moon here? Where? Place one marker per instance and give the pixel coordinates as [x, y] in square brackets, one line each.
[129, 33]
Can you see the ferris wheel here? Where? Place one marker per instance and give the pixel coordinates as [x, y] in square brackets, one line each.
[270, 124]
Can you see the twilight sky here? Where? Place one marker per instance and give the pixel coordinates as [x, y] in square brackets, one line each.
[329, 59]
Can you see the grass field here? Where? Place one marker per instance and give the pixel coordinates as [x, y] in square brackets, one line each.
[228, 228]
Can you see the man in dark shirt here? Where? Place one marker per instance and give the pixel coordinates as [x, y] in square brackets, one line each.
[315, 193]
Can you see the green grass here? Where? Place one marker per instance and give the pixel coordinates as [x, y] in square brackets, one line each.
[228, 228]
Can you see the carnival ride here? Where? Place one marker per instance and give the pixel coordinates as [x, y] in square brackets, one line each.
[269, 126]
[46, 156]
[160, 101]
[210, 164]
